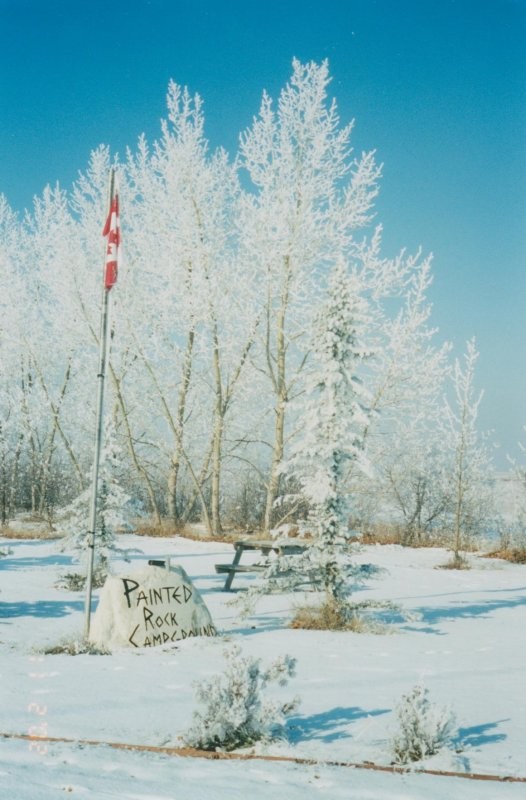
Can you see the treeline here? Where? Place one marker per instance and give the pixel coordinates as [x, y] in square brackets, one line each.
[226, 263]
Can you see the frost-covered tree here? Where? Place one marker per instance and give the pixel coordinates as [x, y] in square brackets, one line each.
[8, 462]
[511, 503]
[125, 382]
[165, 253]
[471, 470]
[53, 320]
[413, 485]
[519, 473]
[199, 300]
[236, 713]
[333, 415]
[406, 382]
[225, 262]
[310, 194]
[15, 437]
[424, 728]
[115, 510]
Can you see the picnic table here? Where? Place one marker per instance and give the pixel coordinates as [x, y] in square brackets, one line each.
[266, 547]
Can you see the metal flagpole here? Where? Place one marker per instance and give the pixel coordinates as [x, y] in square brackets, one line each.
[103, 356]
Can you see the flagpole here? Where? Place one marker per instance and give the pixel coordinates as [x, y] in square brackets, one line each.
[101, 375]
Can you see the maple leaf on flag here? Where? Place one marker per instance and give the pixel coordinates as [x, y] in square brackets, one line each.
[112, 231]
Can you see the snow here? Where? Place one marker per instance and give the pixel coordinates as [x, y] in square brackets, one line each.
[466, 647]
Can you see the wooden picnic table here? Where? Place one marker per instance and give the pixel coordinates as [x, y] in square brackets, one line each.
[265, 546]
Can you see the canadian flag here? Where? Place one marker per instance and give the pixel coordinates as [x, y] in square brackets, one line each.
[113, 232]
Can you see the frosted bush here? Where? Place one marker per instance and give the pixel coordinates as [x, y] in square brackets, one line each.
[236, 714]
[76, 581]
[424, 727]
[75, 646]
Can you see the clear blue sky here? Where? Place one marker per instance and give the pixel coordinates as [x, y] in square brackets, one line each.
[438, 87]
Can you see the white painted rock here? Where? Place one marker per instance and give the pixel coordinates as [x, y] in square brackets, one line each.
[149, 608]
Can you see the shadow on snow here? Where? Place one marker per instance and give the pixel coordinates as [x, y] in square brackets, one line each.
[431, 616]
[40, 609]
[479, 735]
[329, 725]
[35, 562]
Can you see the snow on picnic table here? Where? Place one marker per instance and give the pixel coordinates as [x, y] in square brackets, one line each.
[467, 646]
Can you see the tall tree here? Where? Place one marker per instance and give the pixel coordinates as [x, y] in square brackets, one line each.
[471, 468]
[406, 380]
[334, 412]
[12, 327]
[310, 196]
[199, 296]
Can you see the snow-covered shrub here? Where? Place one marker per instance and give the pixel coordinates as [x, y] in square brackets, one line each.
[322, 617]
[76, 581]
[424, 727]
[456, 561]
[236, 714]
[72, 581]
[5, 551]
[369, 616]
[76, 646]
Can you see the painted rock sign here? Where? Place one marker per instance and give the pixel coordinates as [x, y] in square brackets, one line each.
[149, 608]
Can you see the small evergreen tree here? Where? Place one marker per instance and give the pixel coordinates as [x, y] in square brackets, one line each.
[236, 714]
[424, 727]
[114, 509]
[334, 413]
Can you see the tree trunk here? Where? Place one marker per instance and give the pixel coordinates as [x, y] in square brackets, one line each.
[197, 491]
[171, 486]
[3, 484]
[217, 434]
[460, 488]
[141, 471]
[45, 469]
[215, 499]
[173, 476]
[277, 458]
[13, 483]
[279, 380]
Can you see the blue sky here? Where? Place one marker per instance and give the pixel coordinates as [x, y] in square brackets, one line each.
[438, 87]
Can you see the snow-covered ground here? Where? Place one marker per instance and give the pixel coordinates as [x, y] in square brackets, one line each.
[468, 647]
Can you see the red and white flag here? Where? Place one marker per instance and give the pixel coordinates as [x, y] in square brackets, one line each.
[113, 232]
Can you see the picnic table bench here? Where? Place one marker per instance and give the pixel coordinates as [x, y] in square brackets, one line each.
[265, 547]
